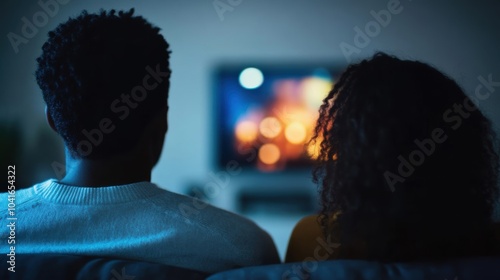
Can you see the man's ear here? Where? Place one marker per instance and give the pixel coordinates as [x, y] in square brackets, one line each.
[50, 121]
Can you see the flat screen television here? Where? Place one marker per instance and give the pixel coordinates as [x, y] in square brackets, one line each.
[265, 114]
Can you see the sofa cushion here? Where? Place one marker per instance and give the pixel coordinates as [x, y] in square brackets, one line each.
[461, 269]
[55, 266]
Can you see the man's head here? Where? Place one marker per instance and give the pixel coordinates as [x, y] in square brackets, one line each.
[105, 79]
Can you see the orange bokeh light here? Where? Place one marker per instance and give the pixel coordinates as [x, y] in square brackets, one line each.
[315, 90]
[269, 154]
[246, 131]
[295, 133]
[270, 127]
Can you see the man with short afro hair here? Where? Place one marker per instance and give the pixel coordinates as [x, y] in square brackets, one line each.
[105, 81]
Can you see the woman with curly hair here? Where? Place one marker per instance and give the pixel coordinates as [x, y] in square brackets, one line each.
[407, 169]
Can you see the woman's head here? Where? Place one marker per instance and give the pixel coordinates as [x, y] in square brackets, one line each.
[407, 160]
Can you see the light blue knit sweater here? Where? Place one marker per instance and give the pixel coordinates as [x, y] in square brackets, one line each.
[136, 221]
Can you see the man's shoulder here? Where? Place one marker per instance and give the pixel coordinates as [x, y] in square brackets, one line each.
[18, 195]
[250, 244]
[238, 232]
[194, 209]
[200, 213]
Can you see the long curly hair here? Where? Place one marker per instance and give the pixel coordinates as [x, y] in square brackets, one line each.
[408, 164]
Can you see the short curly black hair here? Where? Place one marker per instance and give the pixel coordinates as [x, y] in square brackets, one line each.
[104, 76]
[369, 124]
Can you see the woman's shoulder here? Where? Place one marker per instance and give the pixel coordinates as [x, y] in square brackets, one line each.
[303, 239]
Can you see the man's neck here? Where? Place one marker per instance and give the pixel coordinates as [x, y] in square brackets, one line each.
[118, 170]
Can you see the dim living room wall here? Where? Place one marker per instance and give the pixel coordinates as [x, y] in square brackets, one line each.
[459, 37]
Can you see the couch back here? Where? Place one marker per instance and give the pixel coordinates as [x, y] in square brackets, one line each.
[460, 269]
[55, 267]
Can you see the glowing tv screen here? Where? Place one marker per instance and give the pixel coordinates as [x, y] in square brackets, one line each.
[265, 115]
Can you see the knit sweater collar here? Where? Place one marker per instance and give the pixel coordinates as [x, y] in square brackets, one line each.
[65, 194]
